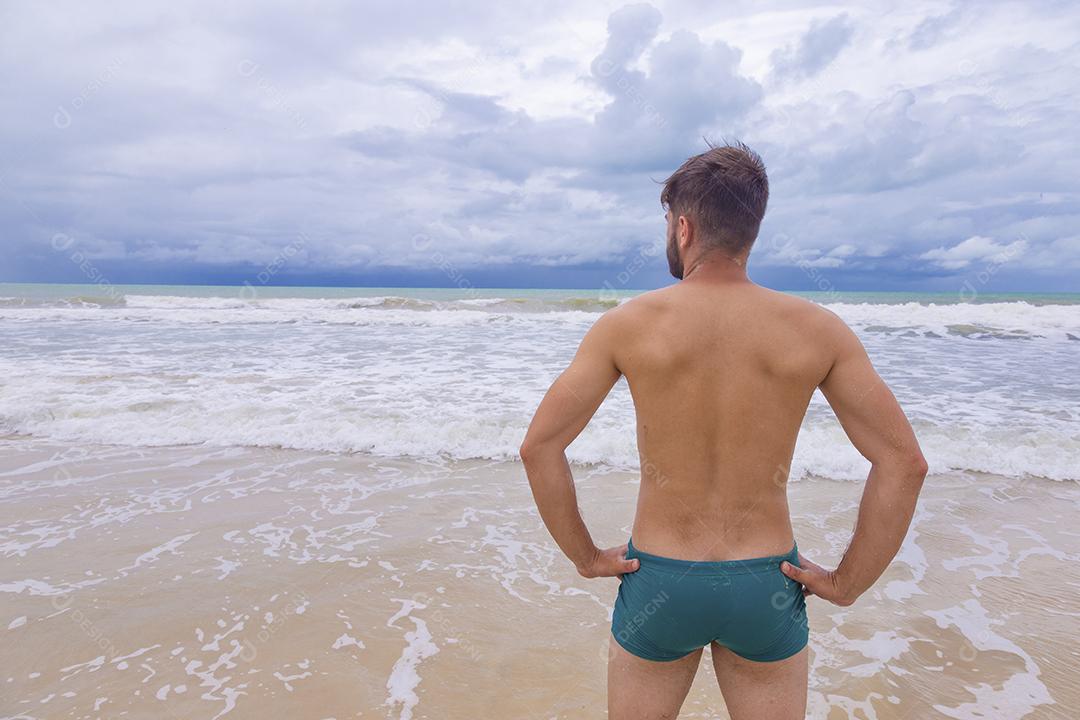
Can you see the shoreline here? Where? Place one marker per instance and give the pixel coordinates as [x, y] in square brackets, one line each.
[580, 468]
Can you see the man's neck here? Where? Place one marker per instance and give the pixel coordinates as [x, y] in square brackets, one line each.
[717, 267]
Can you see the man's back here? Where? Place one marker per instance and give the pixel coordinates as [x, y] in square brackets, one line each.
[721, 372]
[721, 376]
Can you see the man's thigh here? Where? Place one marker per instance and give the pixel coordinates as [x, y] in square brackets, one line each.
[640, 689]
[753, 690]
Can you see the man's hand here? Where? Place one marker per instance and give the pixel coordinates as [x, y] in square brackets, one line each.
[816, 580]
[609, 563]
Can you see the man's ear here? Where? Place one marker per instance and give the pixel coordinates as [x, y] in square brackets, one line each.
[685, 231]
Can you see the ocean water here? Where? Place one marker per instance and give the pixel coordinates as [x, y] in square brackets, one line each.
[990, 386]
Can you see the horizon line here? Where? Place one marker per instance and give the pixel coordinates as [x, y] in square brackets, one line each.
[511, 287]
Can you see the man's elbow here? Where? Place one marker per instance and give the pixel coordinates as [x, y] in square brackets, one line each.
[908, 468]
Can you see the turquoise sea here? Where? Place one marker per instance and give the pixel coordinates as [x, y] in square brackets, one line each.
[47, 291]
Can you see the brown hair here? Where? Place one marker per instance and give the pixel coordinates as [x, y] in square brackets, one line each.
[724, 191]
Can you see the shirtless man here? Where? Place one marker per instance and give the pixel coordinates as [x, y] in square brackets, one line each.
[721, 371]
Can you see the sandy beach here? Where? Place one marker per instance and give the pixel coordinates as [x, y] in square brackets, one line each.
[195, 582]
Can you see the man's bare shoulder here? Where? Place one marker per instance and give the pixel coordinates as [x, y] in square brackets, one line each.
[621, 327]
[641, 307]
[819, 329]
[809, 314]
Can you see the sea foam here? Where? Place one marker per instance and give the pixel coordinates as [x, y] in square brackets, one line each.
[988, 386]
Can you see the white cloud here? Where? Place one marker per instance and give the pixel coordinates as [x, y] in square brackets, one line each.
[975, 248]
[842, 251]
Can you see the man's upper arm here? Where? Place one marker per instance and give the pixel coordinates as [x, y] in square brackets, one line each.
[576, 394]
[863, 403]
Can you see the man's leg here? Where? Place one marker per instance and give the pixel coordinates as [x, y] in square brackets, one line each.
[639, 689]
[757, 690]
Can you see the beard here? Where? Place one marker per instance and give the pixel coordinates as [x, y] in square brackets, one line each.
[675, 263]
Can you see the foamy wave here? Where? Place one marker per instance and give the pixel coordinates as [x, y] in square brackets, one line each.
[385, 310]
[81, 301]
[460, 378]
[1003, 321]
[823, 449]
[1009, 320]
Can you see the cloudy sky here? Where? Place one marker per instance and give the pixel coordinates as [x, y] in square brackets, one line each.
[519, 144]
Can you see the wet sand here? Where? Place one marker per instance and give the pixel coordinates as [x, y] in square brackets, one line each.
[196, 582]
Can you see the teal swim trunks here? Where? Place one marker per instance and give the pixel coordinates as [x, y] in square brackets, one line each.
[668, 608]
